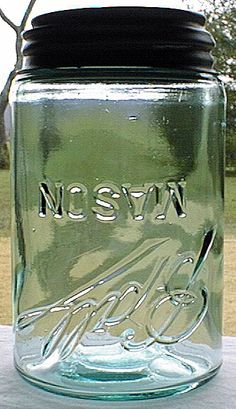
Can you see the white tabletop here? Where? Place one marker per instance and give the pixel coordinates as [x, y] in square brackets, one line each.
[15, 393]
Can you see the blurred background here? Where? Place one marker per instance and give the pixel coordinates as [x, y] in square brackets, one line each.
[15, 17]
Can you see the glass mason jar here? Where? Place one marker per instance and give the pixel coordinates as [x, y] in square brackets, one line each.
[118, 204]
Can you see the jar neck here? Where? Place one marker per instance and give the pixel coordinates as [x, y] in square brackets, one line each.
[117, 73]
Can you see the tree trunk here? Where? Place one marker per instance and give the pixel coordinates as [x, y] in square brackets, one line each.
[4, 154]
[3, 106]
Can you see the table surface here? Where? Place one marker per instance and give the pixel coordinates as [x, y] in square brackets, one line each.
[15, 393]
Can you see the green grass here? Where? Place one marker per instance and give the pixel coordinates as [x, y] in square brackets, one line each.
[230, 201]
[4, 203]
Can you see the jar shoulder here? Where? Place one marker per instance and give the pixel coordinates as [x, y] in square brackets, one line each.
[134, 83]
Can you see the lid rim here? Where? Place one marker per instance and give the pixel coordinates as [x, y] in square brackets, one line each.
[124, 12]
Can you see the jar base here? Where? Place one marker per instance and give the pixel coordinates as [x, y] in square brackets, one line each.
[117, 393]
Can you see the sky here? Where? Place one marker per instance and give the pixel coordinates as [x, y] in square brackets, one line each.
[14, 9]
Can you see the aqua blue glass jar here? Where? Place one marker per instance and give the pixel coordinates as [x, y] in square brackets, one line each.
[118, 147]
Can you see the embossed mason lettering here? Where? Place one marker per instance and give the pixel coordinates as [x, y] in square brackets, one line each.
[137, 198]
[54, 201]
[110, 200]
[105, 197]
[79, 192]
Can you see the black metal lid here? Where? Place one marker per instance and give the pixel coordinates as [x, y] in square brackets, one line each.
[119, 36]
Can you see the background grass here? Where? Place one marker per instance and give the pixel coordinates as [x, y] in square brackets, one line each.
[4, 203]
[230, 200]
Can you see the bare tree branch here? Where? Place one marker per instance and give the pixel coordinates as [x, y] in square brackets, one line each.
[27, 13]
[8, 21]
[18, 47]
[5, 92]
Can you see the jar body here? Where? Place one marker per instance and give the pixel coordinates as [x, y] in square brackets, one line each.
[118, 231]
